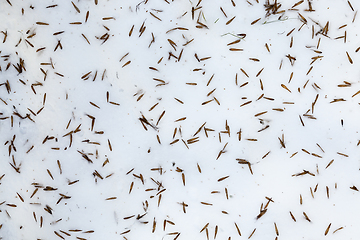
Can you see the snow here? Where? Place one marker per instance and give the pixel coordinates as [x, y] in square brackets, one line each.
[137, 120]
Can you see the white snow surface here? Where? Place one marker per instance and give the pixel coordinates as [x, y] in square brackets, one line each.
[175, 119]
